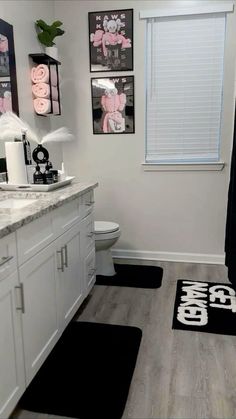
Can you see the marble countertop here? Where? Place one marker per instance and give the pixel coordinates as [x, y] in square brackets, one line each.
[12, 219]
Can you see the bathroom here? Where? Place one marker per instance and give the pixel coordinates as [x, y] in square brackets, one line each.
[171, 216]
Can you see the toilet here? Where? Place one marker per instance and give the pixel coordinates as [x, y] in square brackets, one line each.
[106, 235]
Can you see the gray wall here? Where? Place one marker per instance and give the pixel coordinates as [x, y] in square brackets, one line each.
[164, 215]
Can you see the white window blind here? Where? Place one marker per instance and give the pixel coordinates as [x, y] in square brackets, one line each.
[185, 64]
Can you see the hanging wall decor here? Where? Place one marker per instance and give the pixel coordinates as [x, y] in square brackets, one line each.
[8, 83]
[45, 85]
[111, 40]
[113, 105]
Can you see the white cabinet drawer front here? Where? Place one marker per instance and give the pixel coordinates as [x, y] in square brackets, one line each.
[7, 255]
[66, 216]
[88, 202]
[90, 271]
[89, 234]
[33, 237]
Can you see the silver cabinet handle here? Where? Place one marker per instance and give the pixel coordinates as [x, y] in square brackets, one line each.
[89, 204]
[21, 288]
[66, 255]
[5, 259]
[61, 268]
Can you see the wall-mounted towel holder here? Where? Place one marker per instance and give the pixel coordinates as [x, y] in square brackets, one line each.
[41, 58]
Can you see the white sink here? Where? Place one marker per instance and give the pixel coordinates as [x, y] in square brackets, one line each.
[16, 203]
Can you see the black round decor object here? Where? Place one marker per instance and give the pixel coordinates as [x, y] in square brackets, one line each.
[40, 154]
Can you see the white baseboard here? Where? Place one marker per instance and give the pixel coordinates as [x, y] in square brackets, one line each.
[169, 256]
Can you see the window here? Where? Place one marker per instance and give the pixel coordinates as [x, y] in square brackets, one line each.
[184, 71]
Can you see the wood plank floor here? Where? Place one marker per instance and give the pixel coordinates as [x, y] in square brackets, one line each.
[179, 374]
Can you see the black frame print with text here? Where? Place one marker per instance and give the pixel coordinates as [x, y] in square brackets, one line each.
[8, 83]
[111, 40]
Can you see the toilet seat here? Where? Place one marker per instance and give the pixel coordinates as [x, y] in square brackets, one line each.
[104, 227]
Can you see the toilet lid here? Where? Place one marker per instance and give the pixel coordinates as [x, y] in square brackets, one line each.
[105, 227]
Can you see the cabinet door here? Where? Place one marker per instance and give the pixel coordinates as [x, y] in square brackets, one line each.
[40, 322]
[70, 273]
[12, 378]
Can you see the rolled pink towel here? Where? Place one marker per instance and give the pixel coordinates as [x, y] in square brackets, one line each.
[55, 107]
[42, 106]
[40, 74]
[43, 90]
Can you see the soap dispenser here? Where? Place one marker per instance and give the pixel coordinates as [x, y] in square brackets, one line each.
[38, 176]
[48, 175]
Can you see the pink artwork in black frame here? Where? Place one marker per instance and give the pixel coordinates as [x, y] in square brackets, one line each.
[111, 40]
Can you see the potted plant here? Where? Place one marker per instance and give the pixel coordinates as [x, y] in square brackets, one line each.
[47, 35]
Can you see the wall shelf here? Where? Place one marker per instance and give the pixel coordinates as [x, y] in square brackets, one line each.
[42, 58]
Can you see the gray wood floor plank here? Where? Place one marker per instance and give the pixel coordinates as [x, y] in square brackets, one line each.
[179, 374]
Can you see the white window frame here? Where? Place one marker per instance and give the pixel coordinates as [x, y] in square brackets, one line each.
[163, 12]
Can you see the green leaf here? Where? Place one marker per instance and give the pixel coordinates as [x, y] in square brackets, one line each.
[53, 32]
[45, 39]
[60, 32]
[57, 23]
[42, 25]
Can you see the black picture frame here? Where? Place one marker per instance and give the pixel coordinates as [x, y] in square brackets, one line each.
[8, 80]
[115, 28]
[113, 105]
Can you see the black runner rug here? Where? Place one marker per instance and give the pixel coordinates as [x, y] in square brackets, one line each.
[137, 276]
[88, 373]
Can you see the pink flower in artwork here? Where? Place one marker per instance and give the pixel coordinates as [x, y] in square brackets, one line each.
[3, 44]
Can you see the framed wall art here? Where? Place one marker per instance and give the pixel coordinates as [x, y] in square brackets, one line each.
[8, 83]
[113, 105]
[111, 40]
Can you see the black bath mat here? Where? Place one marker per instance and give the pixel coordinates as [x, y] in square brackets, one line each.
[137, 276]
[88, 373]
[205, 307]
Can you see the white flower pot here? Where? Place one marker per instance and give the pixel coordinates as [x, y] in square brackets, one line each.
[52, 52]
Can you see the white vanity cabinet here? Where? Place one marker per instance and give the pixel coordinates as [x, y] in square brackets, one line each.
[12, 378]
[70, 273]
[40, 323]
[49, 269]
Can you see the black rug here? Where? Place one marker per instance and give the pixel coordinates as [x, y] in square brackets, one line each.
[88, 373]
[137, 276]
[205, 307]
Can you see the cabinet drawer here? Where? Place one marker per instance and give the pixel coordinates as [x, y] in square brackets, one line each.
[89, 234]
[88, 202]
[33, 237]
[90, 271]
[66, 216]
[7, 255]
